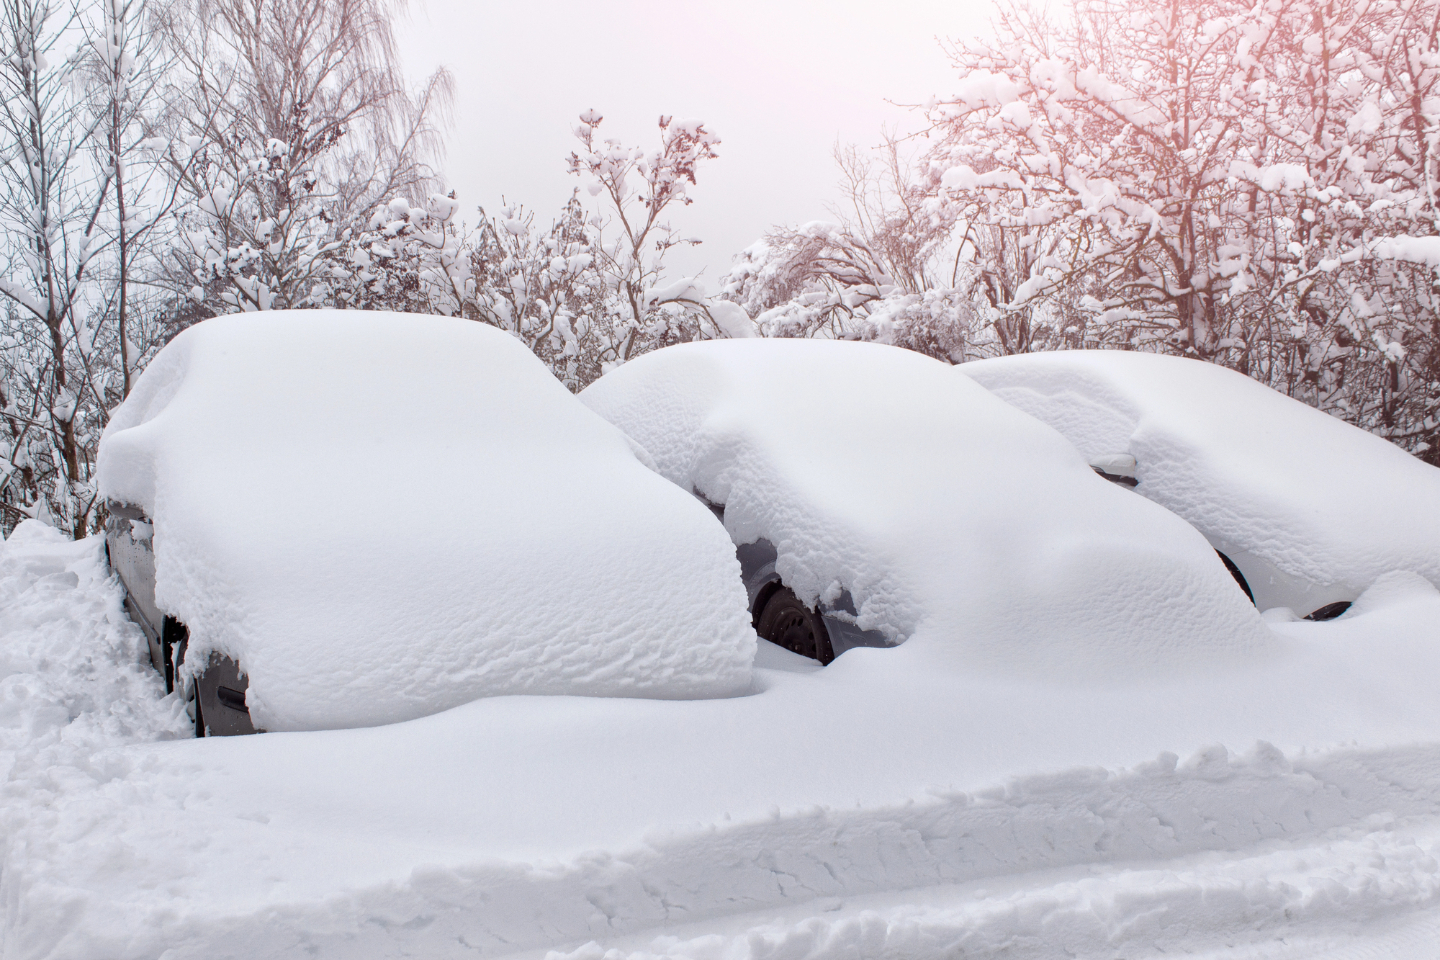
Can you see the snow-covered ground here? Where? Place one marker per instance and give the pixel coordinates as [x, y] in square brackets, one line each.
[1287, 806]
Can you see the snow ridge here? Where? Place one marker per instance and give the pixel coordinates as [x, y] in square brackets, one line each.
[1268, 899]
[1349, 803]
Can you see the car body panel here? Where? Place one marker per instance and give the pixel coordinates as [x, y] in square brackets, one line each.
[218, 691]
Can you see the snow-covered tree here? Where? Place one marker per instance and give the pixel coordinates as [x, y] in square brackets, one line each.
[1250, 182]
[51, 202]
[1232, 180]
[292, 123]
[630, 239]
[888, 269]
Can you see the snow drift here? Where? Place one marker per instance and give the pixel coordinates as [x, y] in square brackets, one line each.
[1312, 509]
[944, 512]
[877, 807]
[381, 516]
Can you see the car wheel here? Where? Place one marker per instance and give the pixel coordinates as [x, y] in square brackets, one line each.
[788, 623]
[1328, 612]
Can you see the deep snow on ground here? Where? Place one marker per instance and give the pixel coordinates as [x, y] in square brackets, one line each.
[375, 514]
[867, 809]
[74, 674]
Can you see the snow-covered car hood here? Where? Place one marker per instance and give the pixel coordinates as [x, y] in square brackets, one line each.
[1325, 507]
[952, 518]
[381, 516]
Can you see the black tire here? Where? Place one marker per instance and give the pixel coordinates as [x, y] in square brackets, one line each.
[788, 623]
[1328, 612]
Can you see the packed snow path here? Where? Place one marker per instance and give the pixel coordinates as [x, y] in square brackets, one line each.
[863, 810]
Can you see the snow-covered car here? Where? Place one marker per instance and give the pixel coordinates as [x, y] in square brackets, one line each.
[348, 519]
[874, 496]
[1309, 510]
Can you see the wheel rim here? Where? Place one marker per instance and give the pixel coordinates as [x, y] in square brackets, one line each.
[788, 623]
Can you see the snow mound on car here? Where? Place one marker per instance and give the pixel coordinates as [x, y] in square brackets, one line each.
[382, 516]
[1261, 474]
[947, 514]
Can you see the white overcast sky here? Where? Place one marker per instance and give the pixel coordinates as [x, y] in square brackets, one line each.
[780, 81]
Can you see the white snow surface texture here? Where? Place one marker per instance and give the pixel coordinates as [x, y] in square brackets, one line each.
[1261, 474]
[876, 808]
[952, 518]
[380, 516]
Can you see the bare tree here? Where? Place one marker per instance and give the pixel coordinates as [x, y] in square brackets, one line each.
[51, 199]
[639, 187]
[126, 74]
[292, 121]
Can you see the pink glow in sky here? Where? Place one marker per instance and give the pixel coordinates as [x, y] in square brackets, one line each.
[780, 82]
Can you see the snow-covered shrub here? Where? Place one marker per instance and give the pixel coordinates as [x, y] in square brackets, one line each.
[407, 259]
[826, 280]
[291, 123]
[625, 246]
[585, 293]
[1243, 183]
[887, 271]
[541, 284]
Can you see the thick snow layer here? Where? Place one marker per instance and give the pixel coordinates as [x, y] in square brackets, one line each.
[1310, 900]
[74, 674]
[1327, 508]
[381, 516]
[877, 808]
[950, 517]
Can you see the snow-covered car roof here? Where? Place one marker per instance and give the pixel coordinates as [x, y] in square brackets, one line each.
[1313, 509]
[380, 516]
[950, 517]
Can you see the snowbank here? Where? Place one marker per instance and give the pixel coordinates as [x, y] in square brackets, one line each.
[948, 515]
[1308, 901]
[1312, 509]
[876, 807]
[74, 671]
[381, 516]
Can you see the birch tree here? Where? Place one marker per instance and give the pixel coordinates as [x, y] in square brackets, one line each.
[51, 200]
[126, 73]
